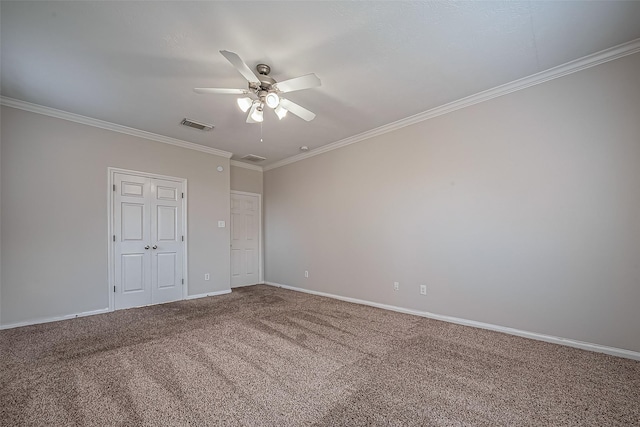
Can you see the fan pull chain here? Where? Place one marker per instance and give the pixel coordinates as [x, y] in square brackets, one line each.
[260, 131]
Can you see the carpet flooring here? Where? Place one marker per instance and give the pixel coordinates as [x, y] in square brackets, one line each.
[264, 356]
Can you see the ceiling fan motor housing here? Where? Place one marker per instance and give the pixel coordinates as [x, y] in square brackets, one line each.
[265, 81]
[263, 69]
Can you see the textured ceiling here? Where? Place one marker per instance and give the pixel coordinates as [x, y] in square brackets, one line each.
[135, 63]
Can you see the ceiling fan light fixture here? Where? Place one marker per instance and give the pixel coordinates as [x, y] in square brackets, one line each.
[267, 91]
[257, 114]
[272, 100]
[245, 103]
[281, 112]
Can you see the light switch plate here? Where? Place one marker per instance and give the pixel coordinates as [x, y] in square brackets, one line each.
[221, 224]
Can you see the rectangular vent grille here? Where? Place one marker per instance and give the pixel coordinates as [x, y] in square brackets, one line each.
[254, 158]
[196, 125]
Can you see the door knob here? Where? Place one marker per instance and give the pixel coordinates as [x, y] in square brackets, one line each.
[146, 247]
[155, 246]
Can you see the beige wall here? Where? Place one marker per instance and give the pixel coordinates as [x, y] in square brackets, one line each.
[248, 180]
[0, 217]
[522, 211]
[54, 212]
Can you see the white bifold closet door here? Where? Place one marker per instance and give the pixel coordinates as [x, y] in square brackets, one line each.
[148, 247]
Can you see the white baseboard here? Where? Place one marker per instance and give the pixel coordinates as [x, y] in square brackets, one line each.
[54, 319]
[244, 286]
[526, 334]
[209, 294]
[91, 313]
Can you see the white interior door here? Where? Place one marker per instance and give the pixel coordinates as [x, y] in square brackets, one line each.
[132, 230]
[166, 235]
[245, 239]
[148, 240]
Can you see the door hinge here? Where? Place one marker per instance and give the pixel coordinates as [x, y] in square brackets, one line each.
[183, 195]
[114, 237]
[114, 288]
[183, 238]
[183, 281]
[114, 187]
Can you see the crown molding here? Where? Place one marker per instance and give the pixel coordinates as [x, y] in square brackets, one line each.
[246, 165]
[52, 112]
[583, 63]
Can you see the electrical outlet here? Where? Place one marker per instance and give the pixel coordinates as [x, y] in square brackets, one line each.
[306, 273]
[396, 286]
[206, 276]
[423, 289]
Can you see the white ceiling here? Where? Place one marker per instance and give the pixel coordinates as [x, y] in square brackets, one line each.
[135, 63]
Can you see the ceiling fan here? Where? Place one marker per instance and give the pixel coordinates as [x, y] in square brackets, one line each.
[267, 91]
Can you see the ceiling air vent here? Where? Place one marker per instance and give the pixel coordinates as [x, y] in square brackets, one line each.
[253, 158]
[196, 125]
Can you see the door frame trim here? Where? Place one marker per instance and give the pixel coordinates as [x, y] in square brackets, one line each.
[260, 251]
[111, 171]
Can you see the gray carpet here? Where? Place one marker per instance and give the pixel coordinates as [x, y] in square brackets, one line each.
[264, 356]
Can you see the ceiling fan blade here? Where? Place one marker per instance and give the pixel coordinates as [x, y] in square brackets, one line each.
[240, 66]
[220, 91]
[299, 111]
[253, 108]
[303, 82]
